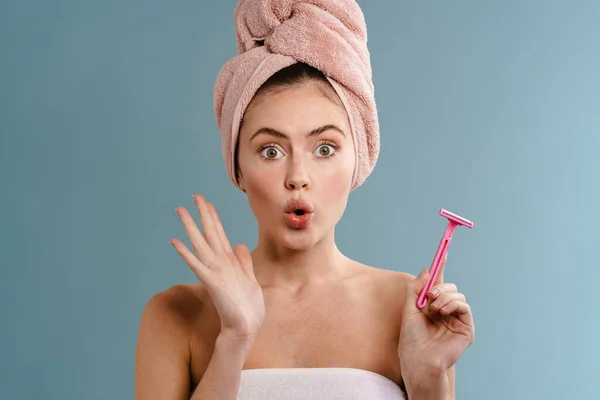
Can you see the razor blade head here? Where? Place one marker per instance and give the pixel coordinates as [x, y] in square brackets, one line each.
[456, 218]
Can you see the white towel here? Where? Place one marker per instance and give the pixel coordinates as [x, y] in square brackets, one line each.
[317, 384]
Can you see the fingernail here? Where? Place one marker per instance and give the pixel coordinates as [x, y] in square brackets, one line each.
[434, 291]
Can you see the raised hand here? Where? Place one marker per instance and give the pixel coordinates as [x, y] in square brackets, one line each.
[433, 339]
[228, 274]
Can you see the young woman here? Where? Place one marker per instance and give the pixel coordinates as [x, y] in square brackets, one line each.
[295, 318]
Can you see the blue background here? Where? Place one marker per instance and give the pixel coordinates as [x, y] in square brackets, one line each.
[490, 109]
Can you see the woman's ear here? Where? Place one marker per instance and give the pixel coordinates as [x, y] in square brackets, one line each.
[240, 181]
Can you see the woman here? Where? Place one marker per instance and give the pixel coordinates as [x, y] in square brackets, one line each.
[295, 318]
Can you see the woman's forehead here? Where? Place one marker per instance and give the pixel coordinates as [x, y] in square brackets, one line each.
[294, 111]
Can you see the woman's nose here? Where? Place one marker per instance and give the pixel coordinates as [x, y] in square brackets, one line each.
[298, 177]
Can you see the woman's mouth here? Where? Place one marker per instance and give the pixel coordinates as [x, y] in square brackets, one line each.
[298, 213]
[298, 219]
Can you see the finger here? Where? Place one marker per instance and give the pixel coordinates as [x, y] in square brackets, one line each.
[446, 298]
[440, 277]
[414, 288]
[245, 258]
[461, 308]
[208, 224]
[226, 245]
[436, 290]
[199, 245]
[195, 265]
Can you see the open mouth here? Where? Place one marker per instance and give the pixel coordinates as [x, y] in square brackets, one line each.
[298, 213]
[299, 218]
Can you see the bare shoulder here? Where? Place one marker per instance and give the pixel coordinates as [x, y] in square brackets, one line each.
[178, 306]
[388, 286]
[166, 343]
[385, 278]
[183, 312]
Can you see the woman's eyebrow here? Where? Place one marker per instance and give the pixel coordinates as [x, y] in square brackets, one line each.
[324, 128]
[269, 131]
[314, 132]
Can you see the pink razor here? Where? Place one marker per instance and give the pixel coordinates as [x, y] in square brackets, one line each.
[453, 221]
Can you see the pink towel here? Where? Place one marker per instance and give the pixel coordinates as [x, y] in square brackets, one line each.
[329, 35]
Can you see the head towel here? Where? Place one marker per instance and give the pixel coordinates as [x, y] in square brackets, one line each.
[329, 35]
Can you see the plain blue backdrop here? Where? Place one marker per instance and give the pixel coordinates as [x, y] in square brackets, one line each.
[490, 109]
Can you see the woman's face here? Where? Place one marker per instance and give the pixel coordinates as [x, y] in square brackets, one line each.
[296, 144]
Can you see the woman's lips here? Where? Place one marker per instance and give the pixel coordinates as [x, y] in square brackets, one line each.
[298, 213]
[298, 204]
[298, 221]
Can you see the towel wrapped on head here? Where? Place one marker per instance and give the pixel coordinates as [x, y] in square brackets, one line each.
[329, 35]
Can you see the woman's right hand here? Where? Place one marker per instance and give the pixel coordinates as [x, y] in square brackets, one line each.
[228, 274]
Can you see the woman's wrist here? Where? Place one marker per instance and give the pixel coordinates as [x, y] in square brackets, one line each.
[428, 386]
[230, 342]
[221, 379]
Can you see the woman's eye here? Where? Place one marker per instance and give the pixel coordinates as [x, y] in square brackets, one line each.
[325, 150]
[272, 153]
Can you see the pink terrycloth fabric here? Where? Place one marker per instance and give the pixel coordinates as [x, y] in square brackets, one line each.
[330, 35]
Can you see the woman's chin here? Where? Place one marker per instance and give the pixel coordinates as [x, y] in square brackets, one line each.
[298, 239]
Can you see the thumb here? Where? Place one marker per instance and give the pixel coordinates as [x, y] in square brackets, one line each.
[415, 286]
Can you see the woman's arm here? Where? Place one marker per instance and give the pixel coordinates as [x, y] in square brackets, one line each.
[222, 377]
[451, 374]
[434, 387]
[433, 338]
[162, 363]
[162, 354]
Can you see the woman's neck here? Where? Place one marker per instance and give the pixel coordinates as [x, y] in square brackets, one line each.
[278, 266]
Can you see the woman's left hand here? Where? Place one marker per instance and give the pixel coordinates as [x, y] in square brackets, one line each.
[432, 339]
